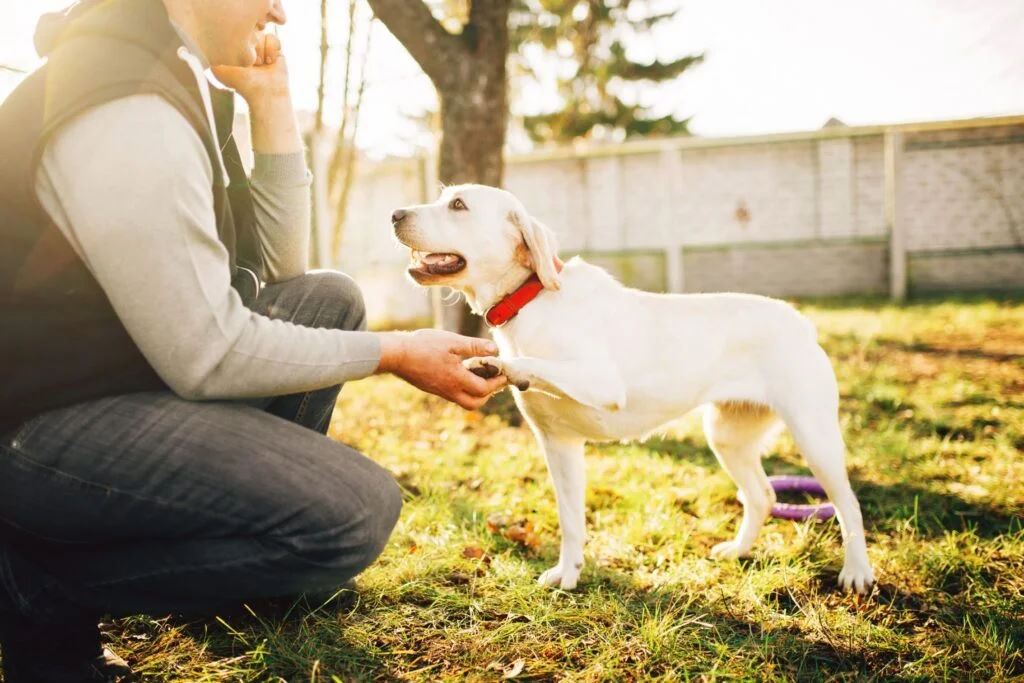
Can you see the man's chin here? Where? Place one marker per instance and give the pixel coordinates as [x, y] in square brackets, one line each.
[244, 60]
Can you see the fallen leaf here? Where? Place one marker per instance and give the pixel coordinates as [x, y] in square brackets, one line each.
[519, 531]
[472, 552]
[514, 670]
[496, 522]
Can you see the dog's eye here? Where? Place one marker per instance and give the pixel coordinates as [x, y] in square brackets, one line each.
[458, 205]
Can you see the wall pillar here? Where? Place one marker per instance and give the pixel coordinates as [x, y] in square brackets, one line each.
[894, 218]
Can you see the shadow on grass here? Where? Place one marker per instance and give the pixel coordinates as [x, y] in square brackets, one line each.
[934, 513]
[709, 627]
[290, 638]
[945, 351]
[700, 626]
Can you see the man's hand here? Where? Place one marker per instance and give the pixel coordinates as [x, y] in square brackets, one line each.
[267, 78]
[431, 360]
[264, 86]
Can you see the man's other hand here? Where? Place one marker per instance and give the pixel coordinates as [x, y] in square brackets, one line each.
[431, 360]
[266, 79]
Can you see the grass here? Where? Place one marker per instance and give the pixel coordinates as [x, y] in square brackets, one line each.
[933, 412]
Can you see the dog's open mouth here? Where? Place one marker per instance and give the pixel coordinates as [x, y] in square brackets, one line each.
[436, 263]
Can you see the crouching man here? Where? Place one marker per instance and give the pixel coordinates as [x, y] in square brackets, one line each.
[168, 367]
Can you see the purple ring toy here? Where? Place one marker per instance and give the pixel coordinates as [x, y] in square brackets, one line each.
[787, 482]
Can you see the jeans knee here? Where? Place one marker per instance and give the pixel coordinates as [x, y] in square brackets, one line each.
[345, 294]
[347, 538]
[385, 509]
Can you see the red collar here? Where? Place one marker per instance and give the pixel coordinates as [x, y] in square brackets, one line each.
[510, 305]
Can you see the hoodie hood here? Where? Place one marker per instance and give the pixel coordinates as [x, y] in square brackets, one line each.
[118, 19]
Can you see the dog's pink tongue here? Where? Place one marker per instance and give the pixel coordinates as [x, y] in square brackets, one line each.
[439, 259]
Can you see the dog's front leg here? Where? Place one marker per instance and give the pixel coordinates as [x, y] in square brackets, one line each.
[593, 381]
[565, 463]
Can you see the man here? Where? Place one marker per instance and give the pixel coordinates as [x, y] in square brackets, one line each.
[162, 416]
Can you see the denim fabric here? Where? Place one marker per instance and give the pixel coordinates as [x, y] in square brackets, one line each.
[147, 503]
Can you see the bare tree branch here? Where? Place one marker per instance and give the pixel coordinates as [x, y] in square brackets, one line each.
[324, 50]
[411, 22]
[352, 152]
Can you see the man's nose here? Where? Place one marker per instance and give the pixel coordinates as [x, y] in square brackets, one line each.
[277, 14]
[398, 215]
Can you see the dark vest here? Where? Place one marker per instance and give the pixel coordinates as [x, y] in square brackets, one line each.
[60, 340]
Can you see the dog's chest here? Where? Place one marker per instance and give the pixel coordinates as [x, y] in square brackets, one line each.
[565, 417]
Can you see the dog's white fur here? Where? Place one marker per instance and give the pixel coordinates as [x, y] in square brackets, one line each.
[605, 362]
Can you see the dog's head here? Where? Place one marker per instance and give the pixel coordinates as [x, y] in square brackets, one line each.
[475, 239]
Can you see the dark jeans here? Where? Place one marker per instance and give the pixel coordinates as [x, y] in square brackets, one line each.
[147, 503]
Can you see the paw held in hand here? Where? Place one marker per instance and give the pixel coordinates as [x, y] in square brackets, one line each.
[485, 371]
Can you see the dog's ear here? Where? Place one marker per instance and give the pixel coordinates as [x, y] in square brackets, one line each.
[541, 246]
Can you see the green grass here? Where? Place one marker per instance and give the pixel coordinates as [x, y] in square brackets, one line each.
[933, 412]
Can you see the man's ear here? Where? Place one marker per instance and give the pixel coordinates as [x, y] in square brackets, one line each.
[541, 245]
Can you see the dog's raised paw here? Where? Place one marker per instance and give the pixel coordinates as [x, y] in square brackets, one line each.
[482, 367]
[485, 371]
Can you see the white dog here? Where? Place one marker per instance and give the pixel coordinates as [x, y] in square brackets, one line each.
[593, 360]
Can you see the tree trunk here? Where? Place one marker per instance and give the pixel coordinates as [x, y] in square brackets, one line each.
[468, 70]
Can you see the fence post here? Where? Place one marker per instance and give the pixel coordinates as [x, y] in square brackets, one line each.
[675, 276]
[894, 215]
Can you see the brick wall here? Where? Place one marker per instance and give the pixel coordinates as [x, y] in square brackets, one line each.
[786, 215]
[821, 268]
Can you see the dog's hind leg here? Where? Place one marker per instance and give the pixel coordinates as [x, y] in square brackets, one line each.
[738, 433]
[813, 420]
[565, 463]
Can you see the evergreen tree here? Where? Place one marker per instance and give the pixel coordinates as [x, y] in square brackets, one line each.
[587, 40]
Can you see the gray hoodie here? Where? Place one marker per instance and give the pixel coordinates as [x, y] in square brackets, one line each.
[138, 210]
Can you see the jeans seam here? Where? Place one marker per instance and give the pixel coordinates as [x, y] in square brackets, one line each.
[22, 456]
[23, 431]
[300, 414]
[285, 552]
[182, 569]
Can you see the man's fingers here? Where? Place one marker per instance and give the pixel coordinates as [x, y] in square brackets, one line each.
[473, 346]
[268, 50]
[482, 388]
[271, 48]
[470, 402]
[496, 384]
[473, 385]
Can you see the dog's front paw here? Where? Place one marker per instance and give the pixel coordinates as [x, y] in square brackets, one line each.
[483, 367]
[857, 576]
[559, 575]
[488, 367]
[730, 550]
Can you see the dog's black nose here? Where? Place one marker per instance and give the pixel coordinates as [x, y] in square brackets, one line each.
[398, 215]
